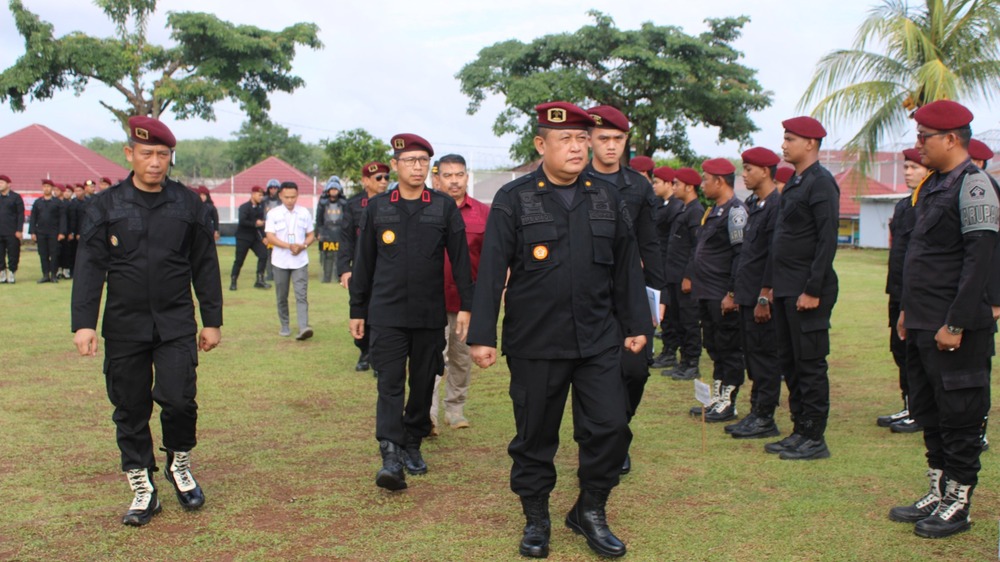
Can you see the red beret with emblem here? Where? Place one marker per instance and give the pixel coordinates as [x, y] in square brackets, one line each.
[943, 115]
[146, 130]
[372, 168]
[783, 174]
[805, 127]
[563, 115]
[107, 180]
[665, 173]
[4, 177]
[608, 117]
[912, 155]
[760, 156]
[256, 189]
[688, 176]
[718, 167]
[979, 151]
[406, 142]
[643, 164]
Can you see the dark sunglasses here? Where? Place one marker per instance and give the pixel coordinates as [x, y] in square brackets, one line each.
[381, 177]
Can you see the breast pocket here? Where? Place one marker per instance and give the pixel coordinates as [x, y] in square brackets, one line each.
[795, 216]
[122, 242]
[539, 247]
[936, 230]
[175, 234]
[603, 236]
[389, 241]
[431, 234]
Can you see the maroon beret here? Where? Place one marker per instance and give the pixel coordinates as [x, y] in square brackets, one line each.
[760, 156]
[372, 168]
[48, 182]
[405, 142]
[256, 189]
[608, 117]
[106, 180]
[718, 167]
[805, 127]
[783, 174]
[979, 151]
[688, 176]
[943, 115]
[4, 177]
[665, 173]
[912, 155]
[563, 115]
[89, 182]
[202, 190]
[146, 130]
[644, 164]
[59, 186]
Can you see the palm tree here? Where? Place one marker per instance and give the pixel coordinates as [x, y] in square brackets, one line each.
[904, 57]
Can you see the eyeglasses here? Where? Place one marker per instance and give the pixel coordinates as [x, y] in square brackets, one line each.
[381, 177]
[413, 160]
[922, 137]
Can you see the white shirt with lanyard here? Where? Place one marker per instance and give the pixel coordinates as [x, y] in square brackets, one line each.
[290, 227]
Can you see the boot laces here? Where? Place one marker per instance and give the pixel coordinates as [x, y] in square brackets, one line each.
[181, 469]
[955, 499]
[139, 482]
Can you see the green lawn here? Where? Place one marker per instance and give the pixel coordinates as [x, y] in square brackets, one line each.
[287, 456]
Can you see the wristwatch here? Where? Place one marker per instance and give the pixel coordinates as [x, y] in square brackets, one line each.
[763, 301]
[954, 330]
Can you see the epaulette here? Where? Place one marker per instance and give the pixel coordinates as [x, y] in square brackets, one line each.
[517, 182]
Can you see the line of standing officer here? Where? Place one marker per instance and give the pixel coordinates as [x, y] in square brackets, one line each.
[664, 213]
[682, 307]
[48, 228]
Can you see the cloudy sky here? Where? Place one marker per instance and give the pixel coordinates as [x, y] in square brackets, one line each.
[389, 66]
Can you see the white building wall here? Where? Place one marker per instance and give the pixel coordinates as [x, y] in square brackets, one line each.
[874, 222]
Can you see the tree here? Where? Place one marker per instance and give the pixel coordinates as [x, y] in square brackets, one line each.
[662, 78]
[905, 57]
[349, 151]
[255, 142]
[212, 60]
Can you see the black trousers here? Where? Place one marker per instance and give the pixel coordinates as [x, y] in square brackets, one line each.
[48, 253]
[721, 336]
[670, 337]
[67, 254]
[538, 391]
[244, 246]
[803, 340]
[761, 355]
[390, 350]
[682, 311]
[10, 252]
[635, 373]
[132, 388]
[950, 397]
[897, 347]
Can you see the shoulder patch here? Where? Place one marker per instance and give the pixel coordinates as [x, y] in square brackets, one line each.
[737, 220]
[978, 204]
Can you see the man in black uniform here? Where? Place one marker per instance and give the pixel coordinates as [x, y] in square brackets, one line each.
[397, 295]
[682, 307]
[756, 327]
[716, 257]
[608, 140]
[900, 228]
[946, 317]
[591, 290]
[11, 230]
[980, 153]
[48, 228]
[664, 213]
[804, 288]
[250, 236]
[150, 237]
[329, 214]
[374, 180]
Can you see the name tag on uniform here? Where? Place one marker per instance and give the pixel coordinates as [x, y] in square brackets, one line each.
[331, 246]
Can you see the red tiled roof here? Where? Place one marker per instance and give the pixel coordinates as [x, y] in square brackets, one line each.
[36, 152]
[269, 168]
[853, 184]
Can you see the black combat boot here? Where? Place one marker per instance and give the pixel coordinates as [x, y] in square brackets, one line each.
[232, 282]
[889, 419]
[535, 542]
[790, 442]
[687, 370]
[951, 515]
[757, 425]
[260, 283]
[363, 364]
[412, 458]
[812, 446]
[906, 425]
[390, 476]
[725, 408]
[145, 504]
[587, 518]
[178, 473]
[922, 508]
[665, 360]
[627, 465]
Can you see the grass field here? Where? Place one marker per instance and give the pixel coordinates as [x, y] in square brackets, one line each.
[287, 456]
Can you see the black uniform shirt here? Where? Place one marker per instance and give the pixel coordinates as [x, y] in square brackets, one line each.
[576, 286]
[11, 213]
[717, 252]
[398, 277]
[48, 216]
[349, 231]
[949, 259]
[664, 214]
[763, 214]
[805, 236]
[900, 228]
[150, 256]
[683, 236]
[246, 227]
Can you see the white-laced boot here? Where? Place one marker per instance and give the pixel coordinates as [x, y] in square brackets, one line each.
[179, 475]
[145, 504]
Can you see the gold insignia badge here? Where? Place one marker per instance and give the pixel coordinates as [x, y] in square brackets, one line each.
[114, 240]
[399, 144]
[388, 237]
[373, 168]
[557, 115]
[540, 252]
[541, 184]
[587, 183]
[596, 118]
[141, 133]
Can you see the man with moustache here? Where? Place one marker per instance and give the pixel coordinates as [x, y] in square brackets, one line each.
[48, 228]
[11, 230]
[574, 298]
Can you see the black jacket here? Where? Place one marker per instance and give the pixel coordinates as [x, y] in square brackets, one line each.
[900, 228]
[757, 235]
[717, 253]
[683, 236]
[48, 216]
[246, 227]
[11, 213]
